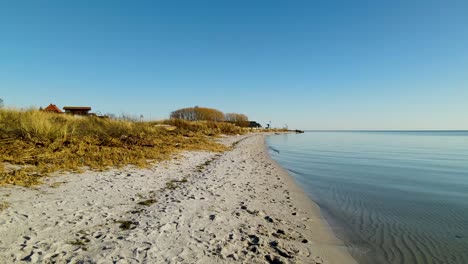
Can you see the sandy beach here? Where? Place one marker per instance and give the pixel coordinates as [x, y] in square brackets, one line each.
[199, 207]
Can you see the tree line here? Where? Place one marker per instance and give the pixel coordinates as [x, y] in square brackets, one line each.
[209, 114]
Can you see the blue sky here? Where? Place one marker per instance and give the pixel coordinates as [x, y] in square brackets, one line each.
[307, 64]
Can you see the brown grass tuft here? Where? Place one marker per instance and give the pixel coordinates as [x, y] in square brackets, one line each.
[4, 205]
[147, 202]
[127, 225]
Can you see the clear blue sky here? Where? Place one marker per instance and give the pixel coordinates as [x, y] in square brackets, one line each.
[308, 64]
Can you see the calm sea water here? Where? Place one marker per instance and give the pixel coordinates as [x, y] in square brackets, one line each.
[393, 197]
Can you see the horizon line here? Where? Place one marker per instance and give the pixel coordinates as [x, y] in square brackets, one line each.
[386, 130]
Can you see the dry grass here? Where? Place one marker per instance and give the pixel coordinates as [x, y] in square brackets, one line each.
[147, 202]
[36, 143]
[270, 130]
[207, 128]
[127, 225]
[4, 205]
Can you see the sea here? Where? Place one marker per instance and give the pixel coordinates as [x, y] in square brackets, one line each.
[390, 196]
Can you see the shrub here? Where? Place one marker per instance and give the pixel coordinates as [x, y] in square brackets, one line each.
[238, 119]
[198, 114]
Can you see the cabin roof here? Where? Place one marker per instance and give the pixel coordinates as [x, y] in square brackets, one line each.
[53, 108]
[81, 108]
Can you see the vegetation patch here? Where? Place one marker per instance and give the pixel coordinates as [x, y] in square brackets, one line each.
[127, 225]
[171, 185]
[174, 184]
[36, 143]
[147, 202]
[57, 184]
[76, 242]
[184, 180]
[4, 205]
[80, 242]
[201, 167]
[137, 211]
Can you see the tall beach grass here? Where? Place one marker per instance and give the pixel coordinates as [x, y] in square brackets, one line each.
[36, 143]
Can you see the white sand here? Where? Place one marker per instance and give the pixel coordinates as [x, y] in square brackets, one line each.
[241, 207]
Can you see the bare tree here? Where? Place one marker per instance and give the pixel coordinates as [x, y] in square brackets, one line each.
[238, 119]
[198, 113]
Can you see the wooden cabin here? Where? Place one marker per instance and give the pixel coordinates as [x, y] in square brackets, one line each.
[77, 110]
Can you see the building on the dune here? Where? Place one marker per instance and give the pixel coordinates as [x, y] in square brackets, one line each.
[53, 109]
[77, 110]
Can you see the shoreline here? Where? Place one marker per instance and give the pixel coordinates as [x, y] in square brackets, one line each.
[200, 207]
[330, 247]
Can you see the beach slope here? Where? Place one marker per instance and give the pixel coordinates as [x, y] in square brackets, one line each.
[200, 207]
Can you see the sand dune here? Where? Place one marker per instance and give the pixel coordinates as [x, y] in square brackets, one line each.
[201, 207]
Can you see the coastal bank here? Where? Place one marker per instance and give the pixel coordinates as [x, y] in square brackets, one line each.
[199, 207]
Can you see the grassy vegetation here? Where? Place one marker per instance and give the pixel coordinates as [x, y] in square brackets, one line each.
[127, 225]
[208, 128]
[147, 202]
[4, 205]
[77, 242]
[36, 143]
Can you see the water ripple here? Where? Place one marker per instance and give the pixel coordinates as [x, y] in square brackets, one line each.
[394, 197]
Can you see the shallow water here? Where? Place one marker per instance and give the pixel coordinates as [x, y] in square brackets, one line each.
[393, 197]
